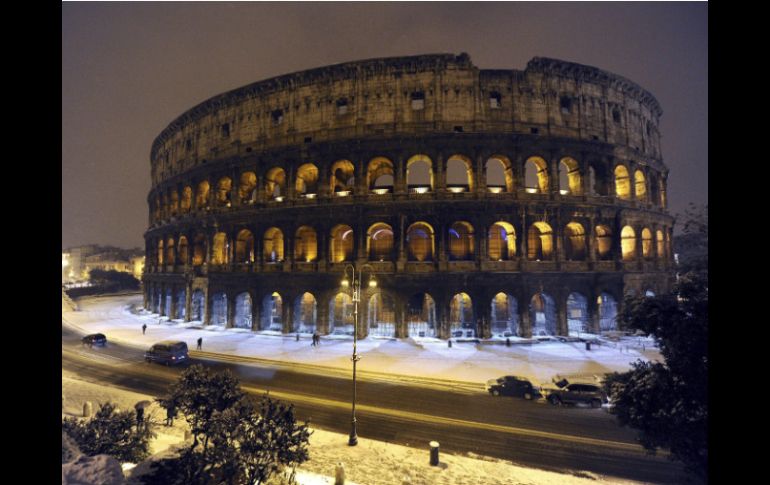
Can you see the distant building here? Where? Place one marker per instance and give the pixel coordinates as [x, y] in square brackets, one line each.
[77, 262]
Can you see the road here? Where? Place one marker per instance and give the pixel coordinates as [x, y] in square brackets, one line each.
[462, 419]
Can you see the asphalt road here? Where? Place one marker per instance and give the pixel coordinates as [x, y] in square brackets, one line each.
[461, 419]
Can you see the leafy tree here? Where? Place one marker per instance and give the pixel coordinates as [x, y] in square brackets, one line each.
[114, 280]
[111, 432]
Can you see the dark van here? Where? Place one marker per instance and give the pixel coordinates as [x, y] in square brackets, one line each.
[167, 352]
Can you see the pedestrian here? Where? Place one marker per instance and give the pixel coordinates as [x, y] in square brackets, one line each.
[144, 328]
[170, 414]
[314, 337]
[200, 343]
[297, 336]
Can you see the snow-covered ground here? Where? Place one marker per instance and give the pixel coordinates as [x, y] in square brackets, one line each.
[369, 463]
[405, 358]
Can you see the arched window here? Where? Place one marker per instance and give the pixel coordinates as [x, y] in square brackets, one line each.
[505, 315]
[461, 245]
[640, 185]
[502, 242]
[380, 242]
[343, 177]
[536, 175]
[381, 315]
[305, 244]
[272, 313]
[341, 314]
[244, 247]
[542, 315]
[419, 241]
[419, 174]
[273, 246]
[570, 179]
[160, 252]
[604, 242]
[305, 313]
[174, 202]
[540, 242]
[247, 188]
[379, 175]
[659, 245]
[461, 322]
[186, 203]
[170, 253]
[574, 242]
[622, 183]
[307, 180]
[628, 243]
[646, 243]
[219, 249]
[499, 174]
[183, 250]
[341, 246]
[662, 193]
[243, 311]
[202, 196]
[421, 315]
[577, 314]
[275, 183]
[459, 174]
[199, 250]
[224, 186]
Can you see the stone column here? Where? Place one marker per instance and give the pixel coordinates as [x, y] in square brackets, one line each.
[440, 178]
[561, 316]
[525, 324]
[188, 302]
[362, 187]
[322, 315]
[481, 175]
[256, 311]
[162, 303]
[287, 314]
[399, 180]
[207, 307]
[173, 303]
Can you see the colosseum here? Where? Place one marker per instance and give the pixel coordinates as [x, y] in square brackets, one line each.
[473, 203]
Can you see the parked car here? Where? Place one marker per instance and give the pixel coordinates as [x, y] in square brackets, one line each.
[513, 386]
[94, 339]
[566, 392]
[167, 352]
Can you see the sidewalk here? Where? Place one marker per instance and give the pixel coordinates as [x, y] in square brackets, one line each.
[466, 364]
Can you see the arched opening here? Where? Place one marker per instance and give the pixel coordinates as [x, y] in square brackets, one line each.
[343, 177]
[202, 195]
[604, 242]
[574, 242]
[169, 302]
[461, 316]
[461, 246]
[341, 246]
[379, 175]
[307, 180]
[341, 314]
[459, 174]
[640, 186]
[272, 313]
[305, 313]
[247, 188]
[502, 241]
[244, 247]
[622, 183]
[186, 203]
[218, 309]
[156, 301]
[381, 316]
[419, 174]
[224, 186]
[570, 179]
[628, 243]
[646, 243]
[199, 250]
[219, 249]
[275, 184]
[662, 193]
[243, 311]
[659, 245]
[421, 316]
[379, 239]
[183, 250]
[577, 314]
[536, 175]
[160, 253]
[505, 316]
[649, 293]
[273, 246]
[608, 312]
[540, 242]
[542, 313]
[419, 241]
[174, 203]
[170, 253]
[198, 306]
[499, 174]
[305, 244]
[180, 304]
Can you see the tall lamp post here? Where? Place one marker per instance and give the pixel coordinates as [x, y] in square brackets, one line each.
[353, 439]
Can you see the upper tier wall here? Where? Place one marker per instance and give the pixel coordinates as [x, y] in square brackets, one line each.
[380, 98]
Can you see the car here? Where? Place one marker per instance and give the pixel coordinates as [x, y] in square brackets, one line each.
[168, 352]
[567, 392]
[94, 339]
[513, 386]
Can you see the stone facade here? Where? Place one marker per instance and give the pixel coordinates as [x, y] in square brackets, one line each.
[484, 202]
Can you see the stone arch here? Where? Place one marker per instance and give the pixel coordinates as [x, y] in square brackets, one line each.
[199, 250]
[224, 187]
[244, 247]
[608, 312]
[574, 242]
[180, 304]
[198, 306]
[420, 242]
[461, 318]
[647, 243]
[381, 315]
[540, 242]
[459, 173]
[275, 183]
[218, 309]
[183, 250]
[577, 314]
[660, 245]
[174, 202]
[272, 313]
[161, 253]
[379, 242]
[341, 314]
[379, 174]
[542, 312]
[186, 203]
[570, 178]
[502, 241]
[640, 186]
[498, 172]
[461, 246]
[504, 316]
[202, 195]
[341, 247]
[170, 252]
[243, 311]
[305, 313]
[219, 248]
[603, 242]
[307, 180]
[536, 175]
[421, 316]
[622, 183]
[305, 244]
[419, 173]
[628, 243]
[273, 245]
[247, 188]
[342, 177]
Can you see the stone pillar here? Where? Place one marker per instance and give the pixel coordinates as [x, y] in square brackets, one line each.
[591, 243]
[399, 180]
[188, 302]
[362, 187]
[206, 307]
[173, 303]
[593, 313]
[322, 315]
[256, 311]
[481, 175]
[484, 311]
[291, 174]
[443, 249]
[561, 316]
[440, 177]
[162, 303]
[400, 317]
[287, 314]
[525, 323]
[324, 180]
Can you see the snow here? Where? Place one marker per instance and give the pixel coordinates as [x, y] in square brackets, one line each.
[404, 359]
[92, 470]
[370, 462]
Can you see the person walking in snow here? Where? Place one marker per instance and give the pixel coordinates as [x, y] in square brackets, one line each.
[200, 343]
[170, 414]
[144, 328]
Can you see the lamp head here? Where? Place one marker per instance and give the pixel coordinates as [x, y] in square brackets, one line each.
[372, 282]
[345, 282]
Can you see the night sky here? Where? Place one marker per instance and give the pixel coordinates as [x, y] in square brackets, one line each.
[129, 69]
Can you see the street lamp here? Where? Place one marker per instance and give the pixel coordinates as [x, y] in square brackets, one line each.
[353, 439]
